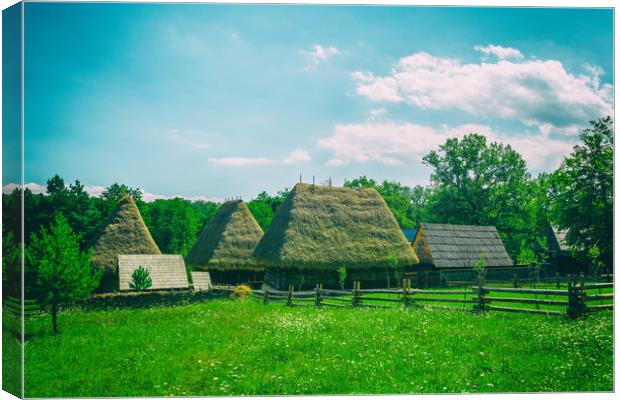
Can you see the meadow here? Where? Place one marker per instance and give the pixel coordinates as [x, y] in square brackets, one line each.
[225, 347]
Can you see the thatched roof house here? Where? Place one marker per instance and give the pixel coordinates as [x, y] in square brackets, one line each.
[125, 233]
[319, 229]
[225, 245]
[459, 246]
[167, 271]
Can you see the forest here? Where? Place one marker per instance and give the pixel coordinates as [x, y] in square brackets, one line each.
[473, 182]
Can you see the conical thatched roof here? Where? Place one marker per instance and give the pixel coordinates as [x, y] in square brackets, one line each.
[321, 227]
[125, 233]
[228, 240]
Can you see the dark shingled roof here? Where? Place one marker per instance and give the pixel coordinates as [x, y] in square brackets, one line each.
[460, 246]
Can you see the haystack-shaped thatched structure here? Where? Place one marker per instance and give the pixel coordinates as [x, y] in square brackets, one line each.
[125, 233]
[319, 229]
[459, 246]
[225, 246]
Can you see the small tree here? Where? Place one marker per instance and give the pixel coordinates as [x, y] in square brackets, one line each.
[595, 264]
[342, 276]
[480, 270]
[61, 272]
[140, 279]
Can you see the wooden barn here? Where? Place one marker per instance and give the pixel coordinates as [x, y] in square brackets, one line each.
[320, 229]
[446, 246]
[167, 271]
[125, 233]
[224, 247]
[559, 252]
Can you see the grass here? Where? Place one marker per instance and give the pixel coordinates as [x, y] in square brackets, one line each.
[224, 347]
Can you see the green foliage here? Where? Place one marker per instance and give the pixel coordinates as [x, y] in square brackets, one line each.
[479, 268]
[195, 350]
[478, 183]
[595, 264]
[116, 191]
[264, 207]
[342, 276]
[582, 191]
[140, 279]
[11, 265]
[61, 272]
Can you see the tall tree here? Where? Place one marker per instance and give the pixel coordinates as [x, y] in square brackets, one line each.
[61, 272]
[477, 183]
[582, 191]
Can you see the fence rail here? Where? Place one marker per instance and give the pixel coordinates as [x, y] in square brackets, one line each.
[573, 301]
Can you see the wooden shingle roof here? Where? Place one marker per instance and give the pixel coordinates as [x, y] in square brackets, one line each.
[460, 246]
[167, 271]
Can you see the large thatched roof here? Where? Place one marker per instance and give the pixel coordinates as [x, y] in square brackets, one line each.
[228, 240]
[460, 246]
[125, 233]
[324, 227]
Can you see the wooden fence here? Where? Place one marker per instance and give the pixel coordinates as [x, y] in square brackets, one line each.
[576, 300]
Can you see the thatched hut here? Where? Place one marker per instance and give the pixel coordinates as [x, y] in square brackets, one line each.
[125, 233]
[225, 246]
[447, 246]
[320, 229]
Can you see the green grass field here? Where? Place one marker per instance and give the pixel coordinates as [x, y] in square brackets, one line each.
[224, 347]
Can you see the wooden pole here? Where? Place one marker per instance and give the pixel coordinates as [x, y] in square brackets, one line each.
[265, 296]
[557, 280]
[290, 296]
[405, 289]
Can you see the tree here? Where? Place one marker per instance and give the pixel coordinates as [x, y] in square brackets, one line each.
[116, 191]
[140, 279]
[582, 191]
[481, 184]
[62, 273]
[11, 264]
[173, 224]
[264, 207]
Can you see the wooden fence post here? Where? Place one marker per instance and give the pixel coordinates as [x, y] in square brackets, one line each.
[318, 299]
[406, 287]
[515, 280]
[356, 293]
[289, 300]
[557, 280]
[576, 301]
[265, 296]
[480, 305]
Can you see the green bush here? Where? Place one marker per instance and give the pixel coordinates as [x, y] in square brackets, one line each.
[140, 279]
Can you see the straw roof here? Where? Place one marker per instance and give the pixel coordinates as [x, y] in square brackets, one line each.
[324, 227]
[227, 242]
[125, 233]
[460, 246]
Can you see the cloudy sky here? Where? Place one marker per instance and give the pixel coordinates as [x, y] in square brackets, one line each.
[212, 101]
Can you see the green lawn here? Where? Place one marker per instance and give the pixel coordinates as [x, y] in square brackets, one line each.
[224, 347]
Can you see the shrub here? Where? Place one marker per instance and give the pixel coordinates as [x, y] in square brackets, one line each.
[140, 279]
[241, 292]
[342, 276]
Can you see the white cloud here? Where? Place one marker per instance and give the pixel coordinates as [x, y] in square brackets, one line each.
[94, 190]
[392, 143]
[499, 51]
[240, 161]
[318, 55]
[34, 188]
[535, 92]
[377, 112]
[297, 156]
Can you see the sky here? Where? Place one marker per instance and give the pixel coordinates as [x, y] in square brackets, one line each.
[221, 101]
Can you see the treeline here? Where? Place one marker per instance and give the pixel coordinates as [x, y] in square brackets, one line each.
[473, 182]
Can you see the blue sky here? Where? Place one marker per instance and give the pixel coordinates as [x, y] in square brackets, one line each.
[214, 101]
